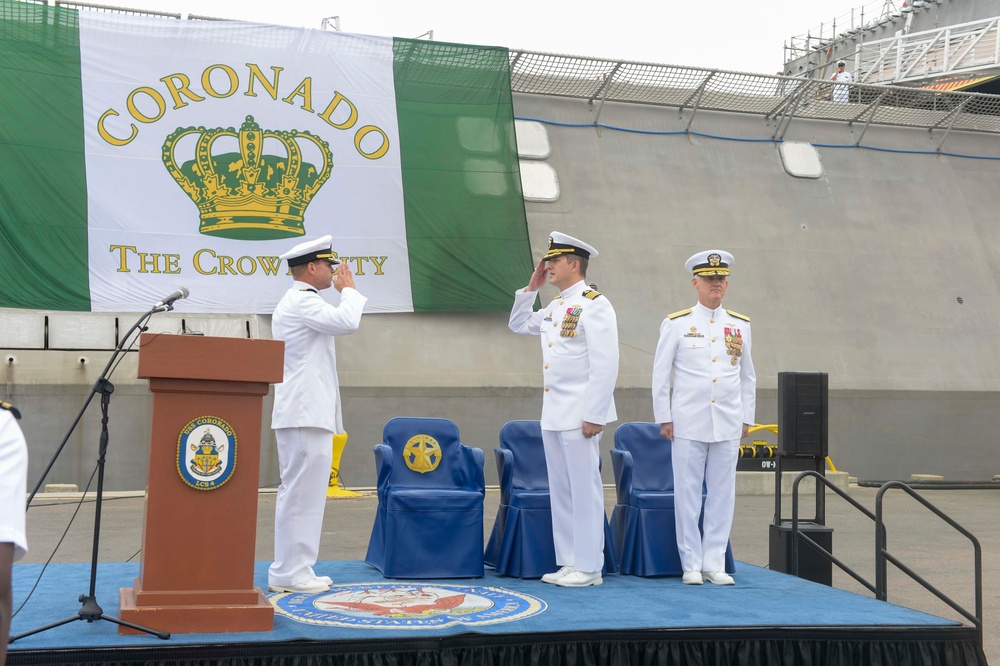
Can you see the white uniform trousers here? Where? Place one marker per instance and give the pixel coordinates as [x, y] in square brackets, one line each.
[712, 464]
[304, 458]
[577, 497]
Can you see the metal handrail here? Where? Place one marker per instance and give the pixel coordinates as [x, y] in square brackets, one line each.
[882, 555]
[797, 536]
[945, 50]
[71, 4]
[598, 80]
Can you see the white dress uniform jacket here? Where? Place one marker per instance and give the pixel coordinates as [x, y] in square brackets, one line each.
[579, 371]
[842, 93]
[13, 483]
[712, 396]
[309, 396]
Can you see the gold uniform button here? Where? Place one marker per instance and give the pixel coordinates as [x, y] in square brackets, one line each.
[550, 344]
[714, 379]
[561, 302]
[693, 344]
[713, 339]
[713, 399]
[711, 321]
[546, 366]
[713, 360]
[547, 388]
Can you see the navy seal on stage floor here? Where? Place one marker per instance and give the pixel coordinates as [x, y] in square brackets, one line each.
[13, 489]
[579, 333]
[307, 411]
[707, 348]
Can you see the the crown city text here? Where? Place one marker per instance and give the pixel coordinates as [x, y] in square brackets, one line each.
[147, 104]
[208, 262]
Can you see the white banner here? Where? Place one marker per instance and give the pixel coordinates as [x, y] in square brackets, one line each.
[213, 147]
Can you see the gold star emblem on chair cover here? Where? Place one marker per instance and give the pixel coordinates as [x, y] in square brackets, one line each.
[422, 454]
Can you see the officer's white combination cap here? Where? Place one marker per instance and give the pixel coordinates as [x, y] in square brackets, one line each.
[560, 244]
[709, 262]
[312, 250]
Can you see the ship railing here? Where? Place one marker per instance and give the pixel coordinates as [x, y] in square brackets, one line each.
[774, 96]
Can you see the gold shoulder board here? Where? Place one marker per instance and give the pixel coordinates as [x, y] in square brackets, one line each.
[681, 313]
[591, 294]
[738, 315]
[10, 408]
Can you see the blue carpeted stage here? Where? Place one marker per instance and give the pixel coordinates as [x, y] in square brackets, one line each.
[767, 618]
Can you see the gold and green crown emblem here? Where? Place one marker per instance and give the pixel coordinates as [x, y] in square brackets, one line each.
[249, 195]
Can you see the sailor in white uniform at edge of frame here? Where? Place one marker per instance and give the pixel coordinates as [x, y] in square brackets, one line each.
[714, 397]
[307, 408]
[13, 488]
[579, 335]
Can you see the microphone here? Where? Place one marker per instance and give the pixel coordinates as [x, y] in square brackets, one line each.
[168, 302]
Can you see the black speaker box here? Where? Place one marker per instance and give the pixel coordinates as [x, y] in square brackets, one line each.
[803, 420]
[812, 565]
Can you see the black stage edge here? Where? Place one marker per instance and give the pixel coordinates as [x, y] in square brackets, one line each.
[763, 646]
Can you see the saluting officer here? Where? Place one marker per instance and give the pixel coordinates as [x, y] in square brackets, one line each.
[711, 409]
[579, 334]
[13, 488]
[307, 409]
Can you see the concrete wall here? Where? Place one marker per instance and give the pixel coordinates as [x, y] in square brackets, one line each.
[858, 274]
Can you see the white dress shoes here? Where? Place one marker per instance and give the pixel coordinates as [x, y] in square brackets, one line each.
[692, 578]
[325, 579]
[580, 579]
[718, 577]
[556, 575]
[311, 586]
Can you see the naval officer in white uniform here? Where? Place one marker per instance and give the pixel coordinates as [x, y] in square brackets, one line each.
[13, 488]
[307, 408]
[579, 334]
[711, 409]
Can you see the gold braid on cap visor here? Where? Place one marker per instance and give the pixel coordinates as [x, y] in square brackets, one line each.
[711, 270]
[552, 254]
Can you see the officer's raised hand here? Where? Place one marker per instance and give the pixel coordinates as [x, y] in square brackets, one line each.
[344, 277]
[538, 277]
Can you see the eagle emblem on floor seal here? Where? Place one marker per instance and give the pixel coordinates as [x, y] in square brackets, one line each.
[402, 605]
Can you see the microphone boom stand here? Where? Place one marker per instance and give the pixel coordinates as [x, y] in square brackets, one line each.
[91, 610]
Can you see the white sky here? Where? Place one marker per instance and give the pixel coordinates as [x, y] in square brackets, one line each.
[727, 34]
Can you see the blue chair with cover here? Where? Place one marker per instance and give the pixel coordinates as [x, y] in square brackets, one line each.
[429, 522]
[642, 523]
[520, 544]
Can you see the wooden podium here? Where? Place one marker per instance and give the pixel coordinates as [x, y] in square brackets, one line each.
[200, 526]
